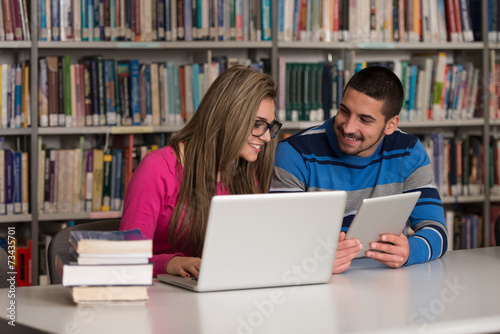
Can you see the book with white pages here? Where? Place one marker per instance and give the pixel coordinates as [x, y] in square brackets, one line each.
[117, 258]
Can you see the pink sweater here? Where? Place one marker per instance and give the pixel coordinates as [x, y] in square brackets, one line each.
[150, 201]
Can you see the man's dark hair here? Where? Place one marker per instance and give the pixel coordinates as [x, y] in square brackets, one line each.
[381, 84]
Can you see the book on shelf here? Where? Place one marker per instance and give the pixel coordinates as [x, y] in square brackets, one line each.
[110, 242]
[98, 178]
[107, 181]
[15, 97]
[14, 22]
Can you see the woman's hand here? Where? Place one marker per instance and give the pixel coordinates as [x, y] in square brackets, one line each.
[184, 266]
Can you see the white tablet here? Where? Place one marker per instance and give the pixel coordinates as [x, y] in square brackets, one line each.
[381, 215]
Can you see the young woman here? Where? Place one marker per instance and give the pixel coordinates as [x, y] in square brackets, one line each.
[226, 148]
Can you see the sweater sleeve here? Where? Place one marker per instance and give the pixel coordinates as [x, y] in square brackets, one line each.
[289, 173]
[429, 241]
[150, 190]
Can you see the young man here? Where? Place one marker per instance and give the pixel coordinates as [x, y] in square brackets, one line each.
[362, 151]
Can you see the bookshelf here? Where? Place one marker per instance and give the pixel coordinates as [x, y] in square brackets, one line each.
[315, 51]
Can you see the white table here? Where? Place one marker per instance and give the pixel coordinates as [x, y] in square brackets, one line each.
[459, 293]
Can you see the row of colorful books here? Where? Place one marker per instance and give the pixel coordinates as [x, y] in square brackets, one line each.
[107, 267]
[14, 20]
[492, 80]
[379, 21]
[15, 95]
[434, 89]
[154, 20]
[87, 180]
[14, 182]
[465, 230]
[457, 164]
[98, 91]
[438, 90]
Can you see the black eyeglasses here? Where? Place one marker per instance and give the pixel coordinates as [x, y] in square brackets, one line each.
[260, 127]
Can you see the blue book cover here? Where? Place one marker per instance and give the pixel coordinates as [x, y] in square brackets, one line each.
[9, 181]
[112, 16]
[168, 22]
[475, 14]
[97, 21]
[196, 86]
[266, 20]
[413, 87]
[17, 183]
[220, 17]
[135, 92]
[281, 19]
[84, 19]
[17, 115]
[340, 81]
[202, 79]
[114, 70]
[80, 236]
[43, 20]
[296, 17]
[149, 109]
[54, 18]
[199, 19]
[132, 241]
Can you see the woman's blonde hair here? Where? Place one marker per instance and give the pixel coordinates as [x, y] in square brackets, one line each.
[212, 141]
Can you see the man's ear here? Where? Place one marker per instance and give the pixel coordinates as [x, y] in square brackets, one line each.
[391, 125]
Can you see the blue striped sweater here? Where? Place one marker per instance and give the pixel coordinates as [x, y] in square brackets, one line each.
[312, 161]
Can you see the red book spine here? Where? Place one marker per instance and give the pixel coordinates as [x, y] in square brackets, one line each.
[137, 25]
[16, 21]
[7, 20]
[129, 157]
[180, 20]
[451, 23]
[183, 92]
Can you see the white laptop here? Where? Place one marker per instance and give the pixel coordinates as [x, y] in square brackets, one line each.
[268, 240]
[381, 215]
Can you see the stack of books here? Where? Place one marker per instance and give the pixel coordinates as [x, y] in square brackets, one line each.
[108, 266]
